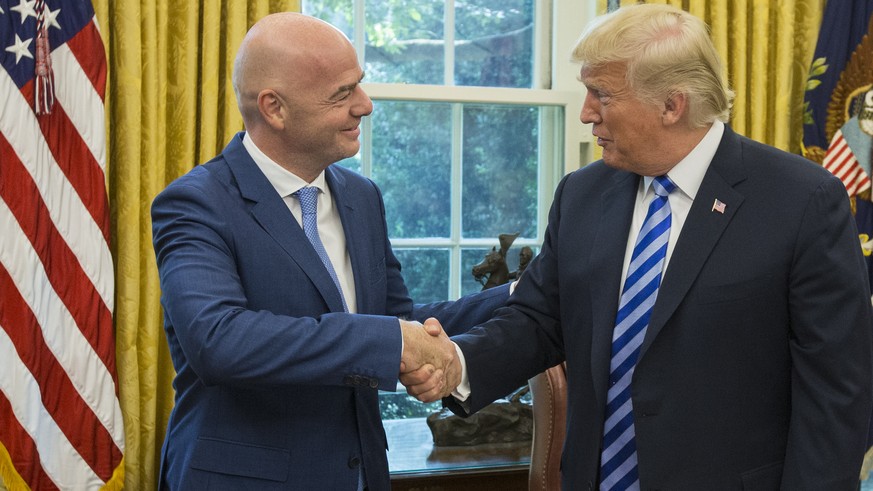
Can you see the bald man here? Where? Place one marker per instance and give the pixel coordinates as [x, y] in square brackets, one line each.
[283, 321]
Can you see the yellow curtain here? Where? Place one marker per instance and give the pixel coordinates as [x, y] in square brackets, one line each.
[767, 48]
[169, 106]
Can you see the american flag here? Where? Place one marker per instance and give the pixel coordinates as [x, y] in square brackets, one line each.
[60, 419]
[841, 161]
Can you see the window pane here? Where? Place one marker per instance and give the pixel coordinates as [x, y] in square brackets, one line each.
[500, 171]
[426, 273]
[412, 152]
[404, 41]
[337, 12]
[494, 43]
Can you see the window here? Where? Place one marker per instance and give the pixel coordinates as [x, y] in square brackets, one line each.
[471, 131]
[455, 175]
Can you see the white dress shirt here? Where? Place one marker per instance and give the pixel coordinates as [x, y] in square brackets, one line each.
[330, 227]
[687, 176]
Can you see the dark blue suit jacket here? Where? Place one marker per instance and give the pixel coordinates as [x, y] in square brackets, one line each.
[276, 386]
[755, 371]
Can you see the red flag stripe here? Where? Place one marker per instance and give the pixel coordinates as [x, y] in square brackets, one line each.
[59, 397]
[22, 450]
[840, 167]
[858, 180]
[63, 269]
[87, 47]
[82, 101]
[63, 337]
[840, 162]
[58, 459]
[850, 174]
[851, 185]
[842, 170]
[85, 237]
[838, 144]
[74, 129]
[75, 160]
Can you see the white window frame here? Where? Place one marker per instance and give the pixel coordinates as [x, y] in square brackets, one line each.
[558, 24]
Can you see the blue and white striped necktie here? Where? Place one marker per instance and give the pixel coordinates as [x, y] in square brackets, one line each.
[618, 460]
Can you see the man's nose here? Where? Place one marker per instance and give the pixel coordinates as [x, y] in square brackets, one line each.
[590, 110]
[362, 104]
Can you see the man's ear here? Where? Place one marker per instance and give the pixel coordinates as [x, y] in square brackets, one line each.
[272, 108]
[675, 108]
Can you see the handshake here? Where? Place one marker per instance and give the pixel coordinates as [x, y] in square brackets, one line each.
[429, 365]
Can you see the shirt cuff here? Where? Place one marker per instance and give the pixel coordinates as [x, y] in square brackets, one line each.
[462, 392]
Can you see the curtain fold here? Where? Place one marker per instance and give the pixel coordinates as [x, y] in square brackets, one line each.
[169, 105]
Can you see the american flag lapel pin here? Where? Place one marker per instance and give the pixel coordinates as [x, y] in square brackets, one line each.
[718, 206]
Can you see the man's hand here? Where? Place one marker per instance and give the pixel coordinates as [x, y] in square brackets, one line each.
[429, 366]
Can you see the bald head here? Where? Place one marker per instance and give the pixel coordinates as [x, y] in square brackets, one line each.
[283, 50]
[297, 81]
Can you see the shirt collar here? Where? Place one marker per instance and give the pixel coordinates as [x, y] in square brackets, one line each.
[283, 181]
[688, 174]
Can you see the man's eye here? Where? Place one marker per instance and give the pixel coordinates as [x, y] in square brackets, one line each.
[602, 97]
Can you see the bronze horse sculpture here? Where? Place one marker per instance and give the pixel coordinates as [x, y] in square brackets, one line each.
[494, 264]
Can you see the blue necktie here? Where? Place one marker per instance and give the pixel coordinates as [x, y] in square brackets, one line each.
[618, 461]
[308, 197]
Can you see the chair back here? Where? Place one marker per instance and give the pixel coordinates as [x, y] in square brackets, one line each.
[549, 393]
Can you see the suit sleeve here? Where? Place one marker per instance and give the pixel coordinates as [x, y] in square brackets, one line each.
[522, 339]
[459, 316]
[830, 345]
[212, 328]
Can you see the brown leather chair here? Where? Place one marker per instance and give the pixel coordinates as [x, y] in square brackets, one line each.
[549, 393]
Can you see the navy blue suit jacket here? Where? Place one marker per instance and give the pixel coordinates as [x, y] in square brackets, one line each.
[276, 386]
[755, 371]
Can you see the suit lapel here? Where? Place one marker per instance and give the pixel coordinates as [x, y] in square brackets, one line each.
[702, 229]
[606, 261]
[356, 233]
[271, 212]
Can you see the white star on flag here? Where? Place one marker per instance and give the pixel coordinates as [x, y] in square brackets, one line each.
[51, 18]
[25, 8]
[20, 48]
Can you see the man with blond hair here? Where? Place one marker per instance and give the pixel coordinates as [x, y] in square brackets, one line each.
[706, 291]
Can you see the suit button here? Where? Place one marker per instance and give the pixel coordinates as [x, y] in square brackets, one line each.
[349, 380]
[374, 383]
[354, 463]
